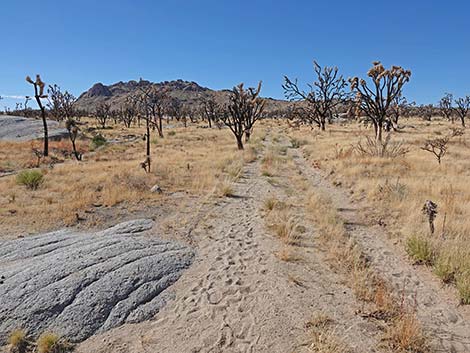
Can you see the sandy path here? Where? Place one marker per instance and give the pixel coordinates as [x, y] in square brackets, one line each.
[238, 296]
[447, 323]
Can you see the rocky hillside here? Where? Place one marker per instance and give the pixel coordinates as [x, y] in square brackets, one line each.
[187, 92]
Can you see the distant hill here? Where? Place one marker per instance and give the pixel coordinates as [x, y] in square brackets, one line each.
[187, 92]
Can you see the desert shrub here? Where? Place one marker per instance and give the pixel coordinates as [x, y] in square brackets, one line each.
[17, 341]
[171, 133]
[32, 179]
[297, 143]
[98, 141]
[406, 335]
[225, 188]
[462, 282]
[51, 343]
[270, 203]
[381, 148]
[420, 249]
[444, 268]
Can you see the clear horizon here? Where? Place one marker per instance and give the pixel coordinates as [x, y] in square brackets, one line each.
[219, 44]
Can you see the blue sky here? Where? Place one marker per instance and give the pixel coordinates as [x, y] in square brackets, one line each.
[221, 43]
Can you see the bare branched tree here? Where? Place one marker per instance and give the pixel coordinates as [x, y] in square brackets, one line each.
[210, 110]
[445, 106]
[398, 109]
[103, 113]
[244, 109]
[61, 104]
[38, 95]
[128, 112]
[156, 105]
[387, 84]
[463, 105]
[425, 111]
[325, 94]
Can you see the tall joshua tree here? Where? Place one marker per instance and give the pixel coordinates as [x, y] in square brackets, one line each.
[38, 94]
[210, 110]
[445, 105]
[244, 109]
[376, 100]
[463, 106]
[326, 92]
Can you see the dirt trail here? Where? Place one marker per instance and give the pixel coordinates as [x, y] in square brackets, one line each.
[446, 323]
[238, 296]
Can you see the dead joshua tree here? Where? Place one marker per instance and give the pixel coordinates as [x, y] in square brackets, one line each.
[463, 105]
[325, 94]
[445, 106]
[375, 101]
[244, 109]
[38, 94]
[430, 211]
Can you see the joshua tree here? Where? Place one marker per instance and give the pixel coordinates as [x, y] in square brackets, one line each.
[38, 94]
[103, 113]
[254, 110]
[325, 94]
[128, 112]
[397, 109]
[72, 128]
[426, 111]
[463, 105]
[61, 104]
[430, 211]
[210, 110]
[156, 105]
[445, 105]
[387, 84]
[244, 109]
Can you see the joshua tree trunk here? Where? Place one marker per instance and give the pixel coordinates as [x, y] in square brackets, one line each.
[322, 124]
[44, 122]
[239, 142]
[247, 135]
[148, 144]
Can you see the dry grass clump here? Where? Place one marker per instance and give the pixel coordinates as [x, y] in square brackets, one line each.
[325, 339]
[285, 226]
[51, 343]
[420, 249]
[406, 335]
[18, 342]
[288, 254]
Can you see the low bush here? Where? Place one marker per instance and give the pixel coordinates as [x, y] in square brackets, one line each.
[420, 249]
[32, 179]
[98, 141]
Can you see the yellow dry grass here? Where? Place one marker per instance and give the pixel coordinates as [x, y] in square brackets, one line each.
[194, 160]
[398, 187]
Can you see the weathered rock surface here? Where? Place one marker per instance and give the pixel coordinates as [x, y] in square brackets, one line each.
[16, 128]
[78, 284]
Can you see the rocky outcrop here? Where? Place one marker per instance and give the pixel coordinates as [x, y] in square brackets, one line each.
[15, 128]
[79, 284]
